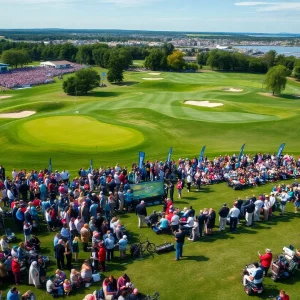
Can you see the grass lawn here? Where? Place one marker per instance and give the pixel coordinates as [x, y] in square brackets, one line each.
[112, 124]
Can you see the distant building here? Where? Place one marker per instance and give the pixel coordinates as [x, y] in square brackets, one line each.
[60, 64]
[3, 67]
[190, 59]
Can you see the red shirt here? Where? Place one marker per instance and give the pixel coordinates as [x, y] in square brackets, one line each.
[285, 297]
[15, 266]
[266, 260]
[102, 254]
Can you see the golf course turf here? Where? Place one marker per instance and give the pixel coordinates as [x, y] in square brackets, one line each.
[110, 125]
[83, 132]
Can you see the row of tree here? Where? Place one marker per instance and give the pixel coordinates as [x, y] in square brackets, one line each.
[232, 61]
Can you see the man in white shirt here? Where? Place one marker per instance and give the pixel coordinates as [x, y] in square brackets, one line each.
[78, 223]
[65, 176]
[175, 222]
[272, 202]
[233, 215]
[91, 181]
[258, 206]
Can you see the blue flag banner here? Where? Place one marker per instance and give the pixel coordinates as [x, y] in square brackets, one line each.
[141, 159]
[241, 154]
[170, 154]
[91, 165]
[201, 155]
[281, 147]
[50, 165]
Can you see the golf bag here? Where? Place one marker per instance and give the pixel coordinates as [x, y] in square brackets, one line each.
[164, 248]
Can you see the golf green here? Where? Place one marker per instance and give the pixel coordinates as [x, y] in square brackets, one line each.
[78, 131]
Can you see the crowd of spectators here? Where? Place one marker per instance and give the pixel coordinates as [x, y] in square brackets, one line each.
[85, 209]
[28, 76]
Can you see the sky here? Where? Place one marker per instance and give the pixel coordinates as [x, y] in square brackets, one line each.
[267, 16]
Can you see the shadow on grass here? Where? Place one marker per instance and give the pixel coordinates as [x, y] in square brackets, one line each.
[126, 83]
[103, 94]
[195, 258]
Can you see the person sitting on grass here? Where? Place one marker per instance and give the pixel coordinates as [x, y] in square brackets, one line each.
[67, 287]
[108, 290]
[122, 281]
[163, 223]
[75, 278]
[29, 295]
[51, 288]
[283, 296]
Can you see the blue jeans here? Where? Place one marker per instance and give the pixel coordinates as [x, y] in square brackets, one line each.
[179, 250]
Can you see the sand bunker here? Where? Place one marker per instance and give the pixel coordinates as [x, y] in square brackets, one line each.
[154, 73]
[233, 90]
[5, 97]
[18, 115]
[203, 103]
[152, 78]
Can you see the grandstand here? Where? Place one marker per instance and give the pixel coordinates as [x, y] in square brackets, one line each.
[29, 76]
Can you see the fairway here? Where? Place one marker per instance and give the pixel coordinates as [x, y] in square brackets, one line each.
[112, 124]
[78, 131]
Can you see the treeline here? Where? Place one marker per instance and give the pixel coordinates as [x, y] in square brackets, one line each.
[232, 61]
[67, 51]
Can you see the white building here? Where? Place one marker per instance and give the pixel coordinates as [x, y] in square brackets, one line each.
[60, 64]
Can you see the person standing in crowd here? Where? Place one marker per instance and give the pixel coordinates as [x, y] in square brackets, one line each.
[123, 246]
[109, 243]
[179, 238]
[179, 188]
[171, 190]
[68, 253]
[223, 213]
[102, 256]
[249, 209]
[85, 236]
[141, 212]
[59, 250]
[75, 248]
[201, 222]
[174, 221]
[266, 260]
[34, 274]
[189, 178]
[210, 222]
[258, 206]
[233, 215]
[16, 269]
[283, 200]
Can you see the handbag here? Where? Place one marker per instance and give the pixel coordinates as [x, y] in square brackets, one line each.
[96, 277]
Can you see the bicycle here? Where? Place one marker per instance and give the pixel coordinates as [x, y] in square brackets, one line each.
[147, 246]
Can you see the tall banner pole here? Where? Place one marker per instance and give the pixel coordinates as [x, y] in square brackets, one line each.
[240, 155]
[50, 166]
[169, 155]
[201, 155]
[141, 159]
[281, 147]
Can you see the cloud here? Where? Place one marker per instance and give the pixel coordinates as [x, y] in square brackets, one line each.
[272, 6]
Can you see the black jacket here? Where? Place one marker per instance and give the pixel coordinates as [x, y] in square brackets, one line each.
[59, 251]
[223, 212]
[141, 210]
[250, 208]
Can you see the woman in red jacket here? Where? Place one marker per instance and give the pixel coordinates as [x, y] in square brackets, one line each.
[16, 269]
[102, 257]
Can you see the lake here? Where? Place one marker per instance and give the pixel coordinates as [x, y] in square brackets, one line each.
[288, 51]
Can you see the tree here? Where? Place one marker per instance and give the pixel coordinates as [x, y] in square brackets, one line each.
[115, 72]
[296, 72]
[270, 58]
[156, 60]
[176, 61]
[82, 82]
[168, 48]
[15, 58]
[275, 80]
[68, 52]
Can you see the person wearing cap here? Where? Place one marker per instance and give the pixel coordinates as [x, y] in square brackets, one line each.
[258, 206]
[123, 246]
[223, 213]
[266, 260]
[141, 212]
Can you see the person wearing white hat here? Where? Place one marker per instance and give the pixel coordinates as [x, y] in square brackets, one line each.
[123, 246]
[266, 260]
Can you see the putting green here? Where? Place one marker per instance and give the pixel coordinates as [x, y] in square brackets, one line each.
[79, 132]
